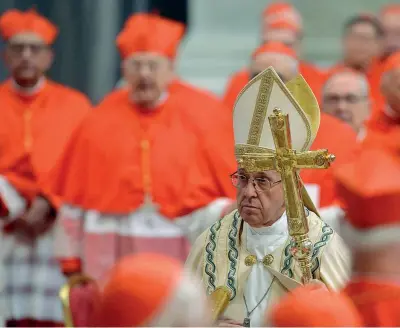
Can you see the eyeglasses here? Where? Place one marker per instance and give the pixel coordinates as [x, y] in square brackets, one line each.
[333, 99]
[34, 48]
[261, 184]
[150, 65]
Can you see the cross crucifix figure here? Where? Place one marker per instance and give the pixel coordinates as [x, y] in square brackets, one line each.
[288, 162]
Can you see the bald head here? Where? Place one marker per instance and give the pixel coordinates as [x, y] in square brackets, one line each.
[346, 96]
[285, 66]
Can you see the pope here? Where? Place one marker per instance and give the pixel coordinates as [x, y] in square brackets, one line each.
[249, 252]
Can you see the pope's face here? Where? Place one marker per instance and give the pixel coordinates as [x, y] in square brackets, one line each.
[27, 58]
[148, 76]
[260, 197]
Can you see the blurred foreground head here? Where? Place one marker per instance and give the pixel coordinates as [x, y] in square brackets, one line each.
[281, 22]
[148, 46]
[151, 290]
[314, 307]
[369, 191]
[28, 38]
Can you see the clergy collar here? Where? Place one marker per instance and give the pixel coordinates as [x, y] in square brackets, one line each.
[28, 91]
[279, 227]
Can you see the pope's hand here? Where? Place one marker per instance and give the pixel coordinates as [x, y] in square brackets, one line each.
[224, 322]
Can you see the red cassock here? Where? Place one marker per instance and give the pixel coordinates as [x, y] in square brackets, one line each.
[33, 133]
[369, 191]
[180, 154]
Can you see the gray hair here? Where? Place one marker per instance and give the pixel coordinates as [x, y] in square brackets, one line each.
[364, 85]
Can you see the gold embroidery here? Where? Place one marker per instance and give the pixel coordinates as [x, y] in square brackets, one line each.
[260, 111]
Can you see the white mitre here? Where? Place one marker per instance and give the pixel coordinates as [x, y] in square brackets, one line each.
[257, 101]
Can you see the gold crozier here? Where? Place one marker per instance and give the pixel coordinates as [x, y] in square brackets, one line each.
[287, 162]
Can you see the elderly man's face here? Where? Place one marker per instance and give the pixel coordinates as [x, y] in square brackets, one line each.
[391, 89]
[391, 26]
[361, 44]
[345, 98]
[148, 76]
[260, 197]
[285, 66]
[27, 58]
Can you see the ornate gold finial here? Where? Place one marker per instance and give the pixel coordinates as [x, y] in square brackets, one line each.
[277, 111]
[330, 158]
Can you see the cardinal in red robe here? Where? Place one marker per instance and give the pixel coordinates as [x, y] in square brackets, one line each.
[363, 40]
[369, 191]
[383, 129]
[281, 22]
[149, 169]
[37, 119]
